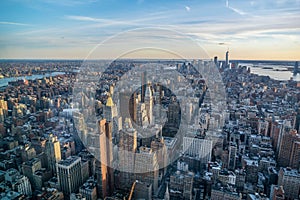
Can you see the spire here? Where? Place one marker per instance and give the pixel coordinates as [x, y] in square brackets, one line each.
[167, 195]
[109, 102]
[148, 92]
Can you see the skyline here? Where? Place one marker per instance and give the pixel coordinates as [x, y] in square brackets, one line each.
[251, 30]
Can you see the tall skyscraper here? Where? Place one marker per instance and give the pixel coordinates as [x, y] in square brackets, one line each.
[106, 157]
[128, 105]
[53, 152]
[148, 99]
[69, 174]
[296, 68]
[144, 85]
[227, 59]
[216, 61]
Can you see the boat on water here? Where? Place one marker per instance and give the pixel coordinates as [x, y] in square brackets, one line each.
[267, 67]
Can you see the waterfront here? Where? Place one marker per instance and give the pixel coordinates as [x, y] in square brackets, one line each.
[5, 81]
[276, 72]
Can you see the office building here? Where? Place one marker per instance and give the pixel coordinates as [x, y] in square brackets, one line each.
[69, 174]
[289, 149]
[290, 180]
[199, 149]
[53, 152]
[106, 157]
[89, 189]
[277, 192]
[146, 167]
[227, 59]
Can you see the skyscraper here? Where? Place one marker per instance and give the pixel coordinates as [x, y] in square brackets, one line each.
[148, 99]
[128, 105]
[144, 85]
[216, 61]
[69, 174]
[106, 157]
[53, 152]
[227, 59]
[288, 151]
[126, 153]
[296, 68]
[232, 157]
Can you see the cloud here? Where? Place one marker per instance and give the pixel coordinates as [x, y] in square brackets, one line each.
[238, 11]
[112, 22]
[187, 8]
[14, 23]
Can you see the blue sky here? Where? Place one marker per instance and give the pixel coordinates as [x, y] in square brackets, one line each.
[251, 29]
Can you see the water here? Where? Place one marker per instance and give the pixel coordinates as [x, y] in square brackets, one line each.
[273, 71]
[5, 81]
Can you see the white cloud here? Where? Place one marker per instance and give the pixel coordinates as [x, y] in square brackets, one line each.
[187, 8]
[14, 23]
[238, 11]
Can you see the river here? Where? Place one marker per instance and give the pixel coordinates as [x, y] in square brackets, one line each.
[276, 72]
[5, 81]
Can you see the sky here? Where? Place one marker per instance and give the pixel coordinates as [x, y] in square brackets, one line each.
[78, 29]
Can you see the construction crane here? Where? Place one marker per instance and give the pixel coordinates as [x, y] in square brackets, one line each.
[132, 190]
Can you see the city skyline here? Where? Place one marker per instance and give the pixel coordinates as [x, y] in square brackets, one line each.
[251, 30]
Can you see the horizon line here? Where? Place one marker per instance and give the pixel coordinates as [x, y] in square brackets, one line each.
[83, 59]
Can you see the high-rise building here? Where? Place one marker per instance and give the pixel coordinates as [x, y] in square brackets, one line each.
[277, 192]
[146, 167]
[19, 183]
[128, 105]
[30, 167]
[53, 152]
[295, 155]
[148, 99]
[88, 189]
[296, 68]
[290, 180]
[22, 185]
[289, 149]
[144, 85]
[159, 148]
[232, 157]
[143, 190]
[173, 114]
[199, 149]
[69, 174]
[106, 157]
[181, 185]
[216, 61]
[126, 154]
[227, 59]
